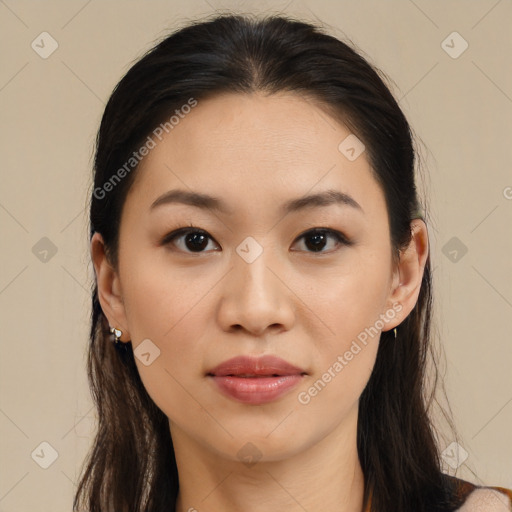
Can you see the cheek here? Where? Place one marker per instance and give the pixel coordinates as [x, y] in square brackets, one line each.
[351, 307]
[168, 307]
[349, 298]
[345, 363]
[174, 324]
[161, 300]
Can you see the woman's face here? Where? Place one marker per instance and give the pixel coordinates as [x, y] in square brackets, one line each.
[256, 280]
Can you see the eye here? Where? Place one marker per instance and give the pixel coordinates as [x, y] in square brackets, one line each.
[192, 239]
[315, 240]
[189, 239]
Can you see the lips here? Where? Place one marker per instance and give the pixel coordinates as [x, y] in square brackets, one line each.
[255, 381]
[264, 366]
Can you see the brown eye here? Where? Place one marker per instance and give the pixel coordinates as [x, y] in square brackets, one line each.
[316, 240]
[195, 240]
[188, 239]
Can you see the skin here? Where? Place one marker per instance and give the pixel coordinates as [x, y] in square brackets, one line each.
[256, 152]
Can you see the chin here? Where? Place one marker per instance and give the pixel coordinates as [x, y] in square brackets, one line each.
[252, 447]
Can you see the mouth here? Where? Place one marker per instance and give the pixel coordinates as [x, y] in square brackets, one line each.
[251, 376]
[254, 367]
[255, 381]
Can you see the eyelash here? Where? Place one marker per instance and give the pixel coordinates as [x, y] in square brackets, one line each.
[337, 235]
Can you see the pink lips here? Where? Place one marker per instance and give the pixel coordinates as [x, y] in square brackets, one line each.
[256, 380]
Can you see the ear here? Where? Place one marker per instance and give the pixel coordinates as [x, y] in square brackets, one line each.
[109, 288]
[408, 275]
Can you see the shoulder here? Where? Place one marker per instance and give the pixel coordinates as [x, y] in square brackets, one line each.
[478, 498]
[487, 499]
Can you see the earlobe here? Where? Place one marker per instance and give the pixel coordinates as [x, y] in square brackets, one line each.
[109, 289]
[409, 274]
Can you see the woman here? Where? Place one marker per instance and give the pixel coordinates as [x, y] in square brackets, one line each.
[262, 268]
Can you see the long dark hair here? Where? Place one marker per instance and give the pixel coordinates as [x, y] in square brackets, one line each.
[131, 466]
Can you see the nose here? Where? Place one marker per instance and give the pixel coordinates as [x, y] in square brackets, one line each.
[255, 297]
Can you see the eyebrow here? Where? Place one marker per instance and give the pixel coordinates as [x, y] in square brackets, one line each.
[208, 202]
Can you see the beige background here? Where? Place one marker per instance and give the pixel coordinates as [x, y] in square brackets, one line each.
[51, 108]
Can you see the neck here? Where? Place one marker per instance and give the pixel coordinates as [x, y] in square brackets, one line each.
[327, 477]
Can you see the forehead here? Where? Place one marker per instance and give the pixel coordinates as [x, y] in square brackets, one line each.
[282, 127]
[240, 146]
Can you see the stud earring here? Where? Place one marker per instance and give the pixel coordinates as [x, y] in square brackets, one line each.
[117, 335]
